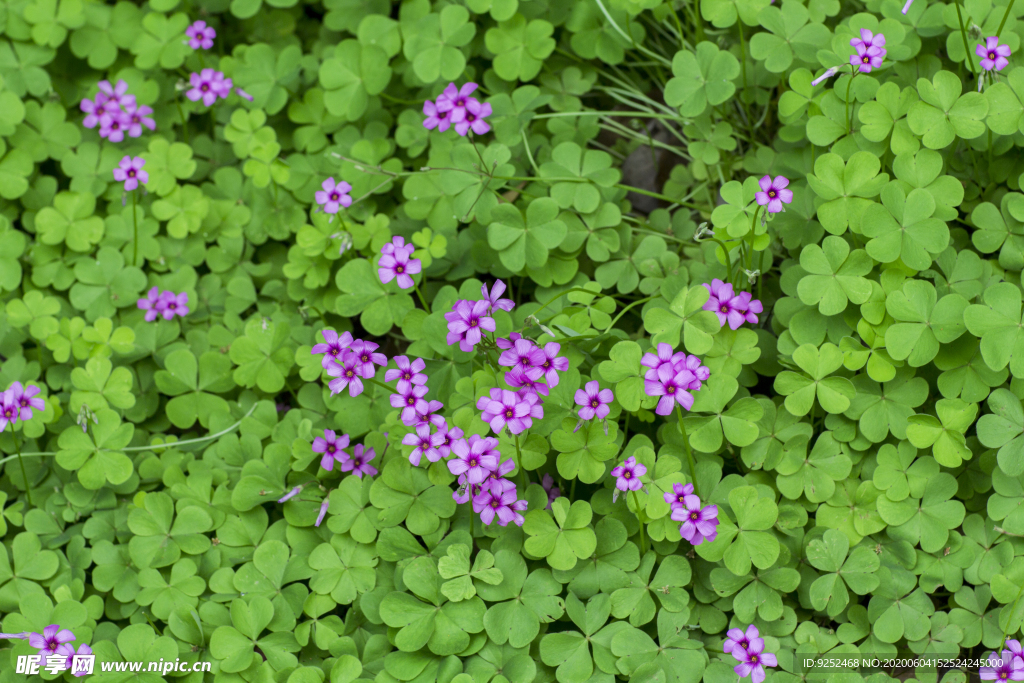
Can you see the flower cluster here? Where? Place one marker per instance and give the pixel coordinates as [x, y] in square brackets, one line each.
[673, 376]
[55, 641]
[208, 85]
[869, 51]
[130, 172]
[994, 57]
[455, 107]
[349, 361]
[1007, 666]
[166, 304]
[468, 320]
[730, 307]
[18, 402]
[200, 36]
[699, 524]
[334, 195]
[396, 263]
[116, 112]
[747, 648]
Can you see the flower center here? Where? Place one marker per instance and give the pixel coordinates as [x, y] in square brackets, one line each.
[410, 401]
[334, 197]
[472, 323]
[725, 309]
[680, 499]
[334, 351]
[595, 403]
[442, 114]
[771, 193]
[671, 390]
[357, 462]
[330, 448]
[461, 102]
[407, 376]
[992, 55]
[494, 504]
[350, 373]
[694, 515]
[470, 118]
[364, 358]
[753, 659]
[204, 87]
[508, 413]
[172, 305]
[866, 59]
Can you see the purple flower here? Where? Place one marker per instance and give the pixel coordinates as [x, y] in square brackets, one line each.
[399, 266]
[24, 401]
[627, 475]
[83, 649]
[333, 345]
[410, 401]
[1004, 667]
[397, 245]
[549, 486]
[497, 476]
[9, 410]
[244, 95]
[518, 378]
[693, 364]
[868, 39]
[475, 458]
[774, 193]
[751, 306]
[906, 7]
[407, 373]
[333, 195]
[518, 507]
[993, 55]
[323, 511]
[676, 497]
[727, 305]
[364, 354]
[536, 406]
[455, 100]
[359, 463]
[466, 323]
[737, 638]
[663, 356]
[829, 73]
[130, 172]
[208, 85]
[446, 438]
[553, 363]
[428, 415]
[436, 118]
[672, 386]
[594, 401]
[95, 110]
[113, 125]
[174, 304]
[331, 446]
[136, 117]
[346, 374]
[752, 661]
[116, 95]
[866, 59]
[494, 297]
[52, 637]
[200, 35]
[473, 118]
[509, 409]
[699, 524]
[496, 501]
[524, 354]
[291, 494]
[1015, 647]
[421, 439]
[153, 304]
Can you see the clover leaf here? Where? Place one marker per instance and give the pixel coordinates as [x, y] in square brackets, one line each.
[683, 320]
[846, 187]
[800, 390]
[455, 566]
[262, 357]
[701, 78]
[997, 323]
[1003, 429]
[521, 602]
[564, 540]
[835, 275]
[343, 569]
[235, 645]
[943, 114]
[902, 227]
[750, 540]
[814, 474]
[568, 160]
[1001, 229]
[737, 422]
[71, 220]
[194, 386]
[946, 434]
[855, 571]
[926, 520]
[520, 47]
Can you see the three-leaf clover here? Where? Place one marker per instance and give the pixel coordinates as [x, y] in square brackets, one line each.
[1003, 428]
[946, 433]
[194, 384]
[800, 390]
[856, 571]
[922, 322]
[943, 114]
[998, 322]
[520, 602]
[701, 78]
[455, 566]
[525, 242]
[564, 540]
[846, 189]
[836, 276]
[902, 227]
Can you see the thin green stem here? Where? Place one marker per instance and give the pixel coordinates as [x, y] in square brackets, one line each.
[643, 539]
[853, 75]
[570, 291]
[689, 451]
[1006, 15]
[963, 34]
[656, 195]
[371, 380]
[426, 306]
[624, 310]
[519, 465]
[572, 490]
[135, 241]
[184, 121]
[24, 472]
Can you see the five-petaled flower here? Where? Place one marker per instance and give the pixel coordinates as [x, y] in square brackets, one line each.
[359, 463]
[699, 524]
[993, 55]
[52, 637]
[752, 660]
[475, 458]
[627, 475]
[129, 171]
[730, 307]
[467, 322]
[330, 445]
[208, 85]
[773, 193]
[334, 195]
[24, 399]
[200, 35]
[593, 401]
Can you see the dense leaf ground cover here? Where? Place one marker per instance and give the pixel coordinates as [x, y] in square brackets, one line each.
[512, 340]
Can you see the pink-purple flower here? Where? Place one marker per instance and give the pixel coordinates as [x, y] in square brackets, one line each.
[153, 304]
[400, 267]
[446, 437]
[524, 354]
[116, 94]
[359, 463]
[497, 501]
[467, 321]
[676, 498]
[411, 402]
[773, 193]
[436, 118]
[113, 125]
[174, 305]
[129, 171]
[83, 649]
[95, 110]
[423, 444]
[867, 58]
[332, 346]
[752, 660]
[1005, 666]
[494, 297]
[366, 356]
[473, 118]
[52, 637]
[993, 55]
[208, 85]
[9, 410]
[738, 638]
[24, 399]
[407, 373]
[868, 39]
[548, 483]
[699, 524]
[553, 363]
[333, 195]
[291, 494]
[323, 511]
[475, 458]
[730, 307]
[331, 446]
[627, 475]
[346, 374]
[508, 409]
[455, 99]
[593, 401]
[200, 35]
[136, 117]
[672, 386]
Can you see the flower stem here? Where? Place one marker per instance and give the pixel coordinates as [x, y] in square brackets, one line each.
[381, 384]
[689, 451]
[853, 75]
[963, 34]
[519, 465]
[423, 301]
[184, 121]
[135, 241]
[1006, 15]
[643, 539]
[21, 461]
